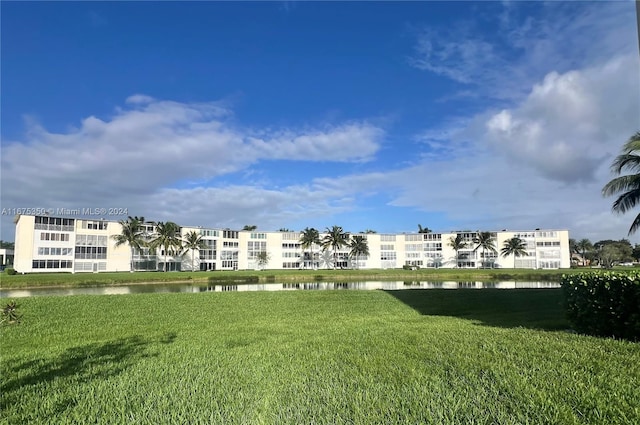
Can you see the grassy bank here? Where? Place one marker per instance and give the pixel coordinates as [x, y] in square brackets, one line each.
[334, 357]
[90, 279]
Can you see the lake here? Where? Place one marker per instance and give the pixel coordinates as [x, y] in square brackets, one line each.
[249, 287]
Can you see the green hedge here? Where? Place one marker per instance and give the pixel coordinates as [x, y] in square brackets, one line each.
[604, 303]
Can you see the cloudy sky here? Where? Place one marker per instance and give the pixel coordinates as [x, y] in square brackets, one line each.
[383, 116]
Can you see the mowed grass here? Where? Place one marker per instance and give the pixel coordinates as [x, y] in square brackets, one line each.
[326, 357]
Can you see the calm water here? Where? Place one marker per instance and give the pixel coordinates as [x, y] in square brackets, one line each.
[309, 286]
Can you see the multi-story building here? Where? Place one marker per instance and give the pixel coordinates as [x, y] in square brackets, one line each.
[57, 244]
[6, 258]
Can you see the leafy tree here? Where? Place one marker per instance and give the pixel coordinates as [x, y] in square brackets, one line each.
[609, 252]
[359, 247]
[308, 238]
[133, 235]
[167, 237]
[636, 252]
[457, 243]
[514, 246]
[250, 227]
[284, 230]
[7, 245]
[369, 231]
[335, 238]
[627, 186]
[193, 242]
[263, 259]
[608, 255]
[486, 242]
[423, 229]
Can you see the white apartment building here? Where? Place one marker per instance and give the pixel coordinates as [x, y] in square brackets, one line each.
[58, 244]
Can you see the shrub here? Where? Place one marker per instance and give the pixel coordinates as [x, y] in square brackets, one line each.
[11, 271]
[604, 303]
[10, 313]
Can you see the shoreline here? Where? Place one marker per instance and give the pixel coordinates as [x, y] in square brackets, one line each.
[67, 280]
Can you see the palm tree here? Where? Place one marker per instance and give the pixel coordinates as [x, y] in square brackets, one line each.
[308, 238]
[629, 185]
[335, 238]
[514, 246]
[486, 241]
[359, 246]
[423, 229]
[132, 234]
[584, 247]
[167, 237]
[457, 244]
[263, 259]
[193, 242]
[250, 227]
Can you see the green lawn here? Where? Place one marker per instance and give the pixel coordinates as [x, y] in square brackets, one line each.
[325, 357]
[86, 279]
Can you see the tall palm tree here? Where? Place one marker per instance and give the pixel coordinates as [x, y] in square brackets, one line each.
[250, 227]
[193, 242]
[167, 237]
[359, 246]
[132, 234]
[486, 241]
[514, 246]
[457, 243]
[627, 186]
[335, 238]
[308, 238]
[584, 247]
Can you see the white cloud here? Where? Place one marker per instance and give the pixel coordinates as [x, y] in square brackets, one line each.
[561, 36]
[130, 158]
[570, 123]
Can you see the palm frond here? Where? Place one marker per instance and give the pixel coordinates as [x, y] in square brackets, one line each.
[626, 161]
[621, 184]
[626, 201]
[635, 225]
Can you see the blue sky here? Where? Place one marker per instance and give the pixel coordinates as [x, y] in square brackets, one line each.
[369, 115]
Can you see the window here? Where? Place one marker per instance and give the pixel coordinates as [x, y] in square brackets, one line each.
[230, 234]
[290, 246]
[229, 255]
[387, 238]
[91, 252]
[254, 248]
[387, 248]
[388, 256]
[228, 244]
[547, 234]
[549, 264]
[94, 225]
[413, 238]
[432, 236]
[433, 246]
[291, 265]
[209, 233]
[291, 236]
[548, 243]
